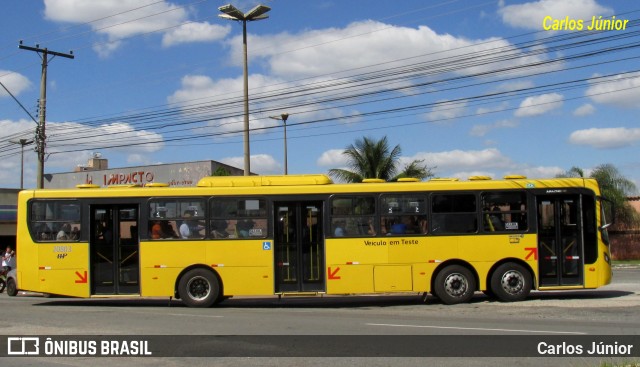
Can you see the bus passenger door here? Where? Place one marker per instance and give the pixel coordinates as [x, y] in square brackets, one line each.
[114, 254]
[560, 250]
[299, 247]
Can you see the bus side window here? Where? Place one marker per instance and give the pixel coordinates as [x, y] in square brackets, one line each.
[504, 211]
[238, 218]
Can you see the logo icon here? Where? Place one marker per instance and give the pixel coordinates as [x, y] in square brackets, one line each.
[22, 346]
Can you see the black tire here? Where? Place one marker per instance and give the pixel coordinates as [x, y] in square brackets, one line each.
[454, 284]
[3, 285]
[199, 288]
[12, 289]
[489, 294]
[511, 282]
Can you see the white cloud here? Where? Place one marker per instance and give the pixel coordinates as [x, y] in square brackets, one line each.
[14, 82]
[332, 158]
[199, 88]
[538, 172]
[620, 90]
[445, 111]
[118, 18]
[195, 32]
[584, 110]
[116, 133]
[455, 160]
[263, 164]
[514, 85]
[606, 138]
[105, 49]
[333, 50]
[482, 130]
[530, 15]
[538, 105]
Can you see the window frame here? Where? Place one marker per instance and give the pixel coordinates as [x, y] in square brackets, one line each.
[58, 222]
[262, 215]
[437, 217]
[410, 222]
[178, 218]
[522, 212]
[353, 227]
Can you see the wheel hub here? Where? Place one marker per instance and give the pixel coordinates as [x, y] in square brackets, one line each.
[456, 285]
[512, 282]
[199, 288]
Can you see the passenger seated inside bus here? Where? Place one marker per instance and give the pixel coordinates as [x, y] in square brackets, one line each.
[339, 228]
[156, 230]
[244, 227]
[219, 229]
[405, 224]
[168, 229]
[190, 228]
[493, 220]
[63, 234]
[398, 227]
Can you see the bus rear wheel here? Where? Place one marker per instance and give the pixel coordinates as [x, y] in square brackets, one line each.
[12, 288]
[454, 284]
[199, 288]
[511, 282]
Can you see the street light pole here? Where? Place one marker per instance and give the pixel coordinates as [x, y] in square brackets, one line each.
[22, 143]
[284, 118]
[257, 13]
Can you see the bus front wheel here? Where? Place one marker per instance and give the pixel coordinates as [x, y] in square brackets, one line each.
[454, 284]
[199, 288]
[12, 288]
[511, 282]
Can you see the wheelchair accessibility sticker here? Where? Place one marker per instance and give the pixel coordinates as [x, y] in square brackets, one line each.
[266, 245]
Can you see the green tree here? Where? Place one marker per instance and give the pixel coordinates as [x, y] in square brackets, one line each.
[574, 171]
[370, 158]
[221, 171]
[615, 187]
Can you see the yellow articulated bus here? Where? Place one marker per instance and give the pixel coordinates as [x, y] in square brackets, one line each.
[303, 234]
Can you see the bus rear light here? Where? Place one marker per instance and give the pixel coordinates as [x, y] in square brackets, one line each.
[217, 265]
[353, 263]
[44, 268]
[159, 266]
[434, 261]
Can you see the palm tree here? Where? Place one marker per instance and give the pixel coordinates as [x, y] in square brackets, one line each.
[574, 171]
[368, 158]
[615, 187]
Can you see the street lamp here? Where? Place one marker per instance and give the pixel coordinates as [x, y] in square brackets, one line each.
[284, 118]
[22, 143]
[257, 13]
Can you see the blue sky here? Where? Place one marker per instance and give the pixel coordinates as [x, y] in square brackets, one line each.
[471, 87]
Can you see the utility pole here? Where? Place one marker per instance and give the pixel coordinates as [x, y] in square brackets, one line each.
[283, 117]
[42, 104]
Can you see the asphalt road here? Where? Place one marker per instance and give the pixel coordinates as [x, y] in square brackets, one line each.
[564, 315]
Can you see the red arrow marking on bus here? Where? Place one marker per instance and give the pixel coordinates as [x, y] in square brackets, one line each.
[532, 251]
[332, 274]
[83, 277]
